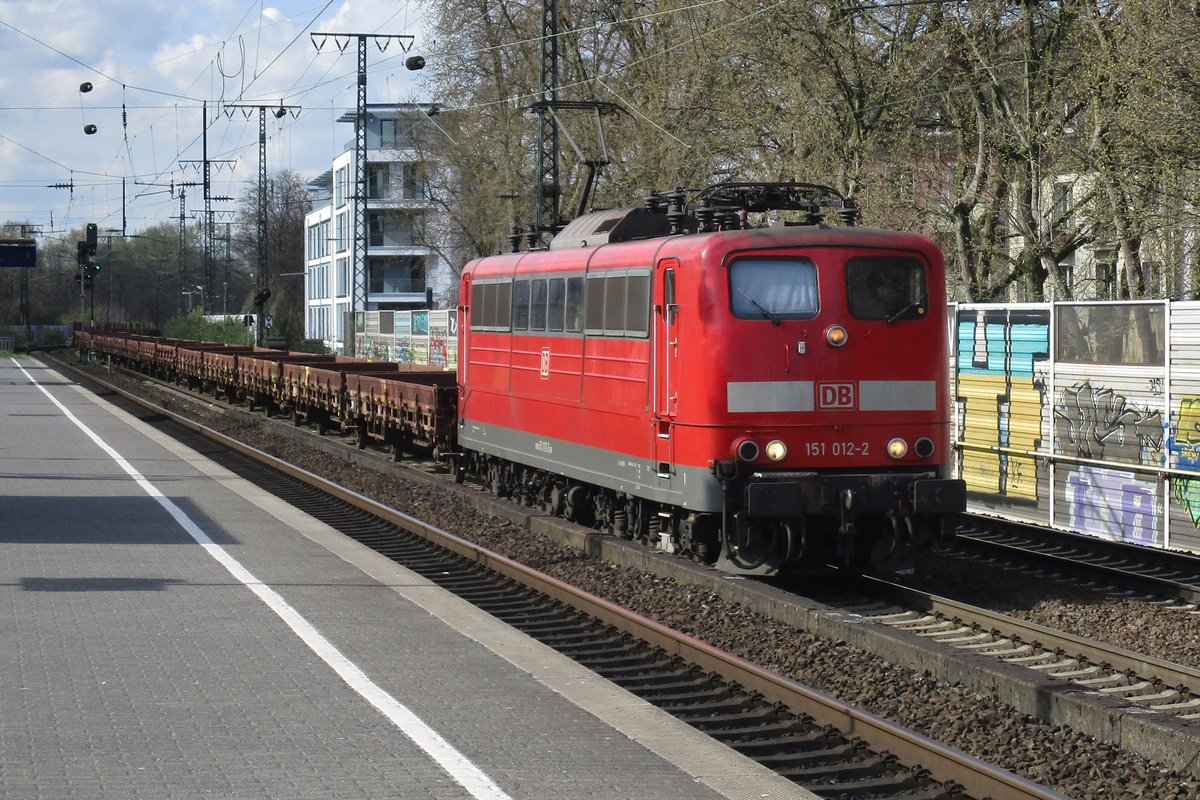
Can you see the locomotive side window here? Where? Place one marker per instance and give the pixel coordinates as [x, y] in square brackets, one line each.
[614, 304]
[503, 305]
[618, 304]
[556, 304]
[887, 288]
[773, 288]
[594, 319]
[492, 306]
[637, 305]
[485, 306]
[574, 304]
[520, 305]
[537, 305]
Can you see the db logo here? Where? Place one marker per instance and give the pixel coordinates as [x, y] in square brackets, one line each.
[546, 363]
[835, 395]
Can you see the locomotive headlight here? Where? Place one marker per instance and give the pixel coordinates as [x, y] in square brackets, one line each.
[897, 448]
[836, 335]
[776, 450]
[924, 447]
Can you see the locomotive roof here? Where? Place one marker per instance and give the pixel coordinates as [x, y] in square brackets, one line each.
[587, 252]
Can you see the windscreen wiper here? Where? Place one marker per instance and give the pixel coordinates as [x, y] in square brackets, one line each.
[768, 314]
[895, 315]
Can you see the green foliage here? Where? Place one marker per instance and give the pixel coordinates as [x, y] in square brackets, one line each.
[194, 326]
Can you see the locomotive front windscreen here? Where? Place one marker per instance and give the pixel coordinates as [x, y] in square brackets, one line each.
[773, 288]
[887, 288]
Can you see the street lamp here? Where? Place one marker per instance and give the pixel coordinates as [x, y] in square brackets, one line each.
[190, 293]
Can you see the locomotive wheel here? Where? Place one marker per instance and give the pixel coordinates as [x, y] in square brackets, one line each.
[764, 551]
[639, 520]
[577, 504]
[496, 481]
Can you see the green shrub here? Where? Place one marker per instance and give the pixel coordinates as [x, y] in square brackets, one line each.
[194, 326]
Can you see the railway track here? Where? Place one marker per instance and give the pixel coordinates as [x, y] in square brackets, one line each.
[1110, 566]
[1152, 684]
[828, 746]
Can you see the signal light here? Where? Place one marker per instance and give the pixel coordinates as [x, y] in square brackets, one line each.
[262, 297]
[414, 63]
[81, 252]
[91, 237]
[89, 129]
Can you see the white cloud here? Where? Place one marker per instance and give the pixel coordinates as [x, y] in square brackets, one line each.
[151, 63]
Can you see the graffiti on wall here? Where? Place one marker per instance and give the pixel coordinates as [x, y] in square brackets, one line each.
[1102, 424]
[1184, 443]
[1000, 399]
[1112, 503]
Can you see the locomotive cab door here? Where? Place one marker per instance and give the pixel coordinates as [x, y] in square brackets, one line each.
[666, 368]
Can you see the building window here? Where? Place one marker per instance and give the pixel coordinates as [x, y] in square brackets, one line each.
[341, 187]
[404, 275]
[1064, 203]
[343, 277]
[414, 182]
[394, 230]
[379, 183]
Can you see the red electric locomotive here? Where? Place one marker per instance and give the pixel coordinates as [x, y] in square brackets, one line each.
[762, 399]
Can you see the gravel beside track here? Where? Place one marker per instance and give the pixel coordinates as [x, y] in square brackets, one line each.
[1056, 756]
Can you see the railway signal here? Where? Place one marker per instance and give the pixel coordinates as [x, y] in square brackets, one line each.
[261, 298]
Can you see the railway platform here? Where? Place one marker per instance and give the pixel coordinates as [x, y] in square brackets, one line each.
[169, 630]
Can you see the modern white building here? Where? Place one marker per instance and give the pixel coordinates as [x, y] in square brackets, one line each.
[401, 269]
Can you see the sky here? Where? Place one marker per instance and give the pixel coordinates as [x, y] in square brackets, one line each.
[152, 66]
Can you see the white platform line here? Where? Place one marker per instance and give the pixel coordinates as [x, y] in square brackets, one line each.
[456, 765]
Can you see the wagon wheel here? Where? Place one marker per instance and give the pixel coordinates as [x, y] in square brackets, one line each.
[400, 443]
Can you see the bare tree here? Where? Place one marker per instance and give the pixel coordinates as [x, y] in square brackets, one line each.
[287, 203]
